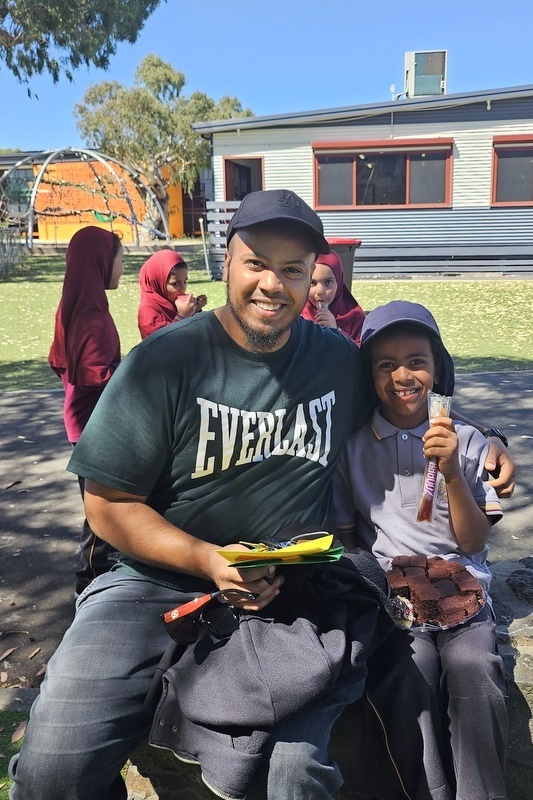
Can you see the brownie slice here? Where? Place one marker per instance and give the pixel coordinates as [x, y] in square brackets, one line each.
[398, 582]
[446, 587]
[400, 561]
[424, 597]
[418, 561]
[438, 568]
[465, 581]
[451, 610]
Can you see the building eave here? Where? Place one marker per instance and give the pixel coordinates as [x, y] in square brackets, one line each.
[318, 117]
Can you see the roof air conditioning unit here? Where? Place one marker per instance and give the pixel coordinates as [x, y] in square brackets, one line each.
[425, 73]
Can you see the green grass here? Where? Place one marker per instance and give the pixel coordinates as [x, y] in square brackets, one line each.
[9, 721]
[486, 324]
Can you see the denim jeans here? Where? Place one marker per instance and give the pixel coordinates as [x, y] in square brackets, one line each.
[89, 715]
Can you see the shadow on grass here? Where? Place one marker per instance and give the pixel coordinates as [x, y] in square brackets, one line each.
[490, 364]
[51, 269]
[36, 374]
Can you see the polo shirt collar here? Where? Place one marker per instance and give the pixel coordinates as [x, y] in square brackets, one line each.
[381, 428]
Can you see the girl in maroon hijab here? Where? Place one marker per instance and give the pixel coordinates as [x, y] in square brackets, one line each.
[330, 302]
[164, 297]
[86, 351]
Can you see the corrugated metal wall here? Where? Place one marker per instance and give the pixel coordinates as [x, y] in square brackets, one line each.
[288, 163]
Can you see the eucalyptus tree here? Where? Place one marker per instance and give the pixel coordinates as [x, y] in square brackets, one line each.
[58, 36]
[148, 126]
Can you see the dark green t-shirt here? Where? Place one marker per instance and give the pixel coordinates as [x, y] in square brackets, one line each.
[228, 445]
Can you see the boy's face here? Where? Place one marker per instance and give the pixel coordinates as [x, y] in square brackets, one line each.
[176, 283]
[403, 371]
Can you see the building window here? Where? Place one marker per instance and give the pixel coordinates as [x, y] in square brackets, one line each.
[513, 171]
[383, 175]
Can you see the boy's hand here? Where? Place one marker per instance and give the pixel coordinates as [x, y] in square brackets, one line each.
[440, 441]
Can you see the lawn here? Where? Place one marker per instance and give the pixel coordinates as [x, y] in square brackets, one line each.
[486, 324]
[9, 724]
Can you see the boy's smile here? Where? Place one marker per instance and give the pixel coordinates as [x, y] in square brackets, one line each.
[403, 371]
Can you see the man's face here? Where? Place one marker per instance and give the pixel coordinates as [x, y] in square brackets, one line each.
[268, 272]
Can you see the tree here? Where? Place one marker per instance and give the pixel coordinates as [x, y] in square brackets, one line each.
[148, 126]
[58, 36]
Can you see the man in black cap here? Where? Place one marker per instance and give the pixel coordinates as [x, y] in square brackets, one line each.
[220, 429]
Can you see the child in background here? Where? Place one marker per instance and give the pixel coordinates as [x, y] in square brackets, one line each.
[441, 695]
[164, 297]
[330, 302]
[84, 354]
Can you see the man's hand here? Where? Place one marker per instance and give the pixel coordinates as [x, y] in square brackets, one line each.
[501, 464]
[262, 581]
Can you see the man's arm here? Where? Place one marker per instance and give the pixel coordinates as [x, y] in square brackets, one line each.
[499, 461]
[128, 524]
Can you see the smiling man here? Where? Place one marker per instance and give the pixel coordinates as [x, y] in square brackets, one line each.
[222, 428]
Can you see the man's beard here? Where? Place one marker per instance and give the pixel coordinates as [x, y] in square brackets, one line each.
[258, 341]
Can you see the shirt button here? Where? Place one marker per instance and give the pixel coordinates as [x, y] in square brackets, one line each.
[405, 436]
[406, 472]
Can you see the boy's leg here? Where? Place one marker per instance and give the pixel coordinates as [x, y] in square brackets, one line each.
[473, 677]
[296, 764]
[403, 686]
[89, 714]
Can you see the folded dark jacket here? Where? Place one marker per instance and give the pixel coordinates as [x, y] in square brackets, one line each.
[220, 700]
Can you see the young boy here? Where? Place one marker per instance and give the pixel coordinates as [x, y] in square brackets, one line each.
[441, 695]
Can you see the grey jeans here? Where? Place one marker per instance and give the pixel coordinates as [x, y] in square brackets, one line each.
[89, 715]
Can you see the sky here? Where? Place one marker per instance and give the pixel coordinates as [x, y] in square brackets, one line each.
[284, 56]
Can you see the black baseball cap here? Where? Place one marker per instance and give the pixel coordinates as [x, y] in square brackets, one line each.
[397, 311]
[278, 204]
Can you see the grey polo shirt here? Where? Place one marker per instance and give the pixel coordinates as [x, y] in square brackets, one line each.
[377, 487]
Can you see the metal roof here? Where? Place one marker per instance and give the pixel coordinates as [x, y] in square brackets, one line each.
[366, 110]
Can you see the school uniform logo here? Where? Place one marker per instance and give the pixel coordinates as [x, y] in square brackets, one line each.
[232, 437]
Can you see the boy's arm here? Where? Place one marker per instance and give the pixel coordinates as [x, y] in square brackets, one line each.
[499, 462]
[468, 522]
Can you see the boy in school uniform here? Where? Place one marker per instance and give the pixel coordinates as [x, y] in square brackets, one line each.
[441, 695]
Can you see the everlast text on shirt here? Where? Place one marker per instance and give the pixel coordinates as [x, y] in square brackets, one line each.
[235, 437]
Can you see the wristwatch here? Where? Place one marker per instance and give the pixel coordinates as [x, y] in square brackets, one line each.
[498, 433]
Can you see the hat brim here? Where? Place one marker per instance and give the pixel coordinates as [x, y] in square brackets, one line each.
[446, 382]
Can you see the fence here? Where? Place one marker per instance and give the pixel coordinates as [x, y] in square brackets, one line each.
[11, 252]
[218, 216]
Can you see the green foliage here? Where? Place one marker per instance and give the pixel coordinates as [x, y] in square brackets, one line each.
[60, 35]
[148, 126]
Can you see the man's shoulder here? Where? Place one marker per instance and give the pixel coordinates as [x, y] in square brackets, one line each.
[328, 339]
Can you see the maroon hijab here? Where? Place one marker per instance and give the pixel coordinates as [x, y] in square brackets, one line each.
[86, 344]
[348, 314]
[155, 311]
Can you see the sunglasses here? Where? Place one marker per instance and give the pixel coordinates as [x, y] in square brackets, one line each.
[184, 623]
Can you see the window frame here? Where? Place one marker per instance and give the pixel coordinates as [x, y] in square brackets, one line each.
[511, 142]
[404, 146]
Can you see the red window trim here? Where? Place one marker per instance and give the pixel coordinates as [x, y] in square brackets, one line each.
[442, 144]
[438, 143]
[504, 143]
